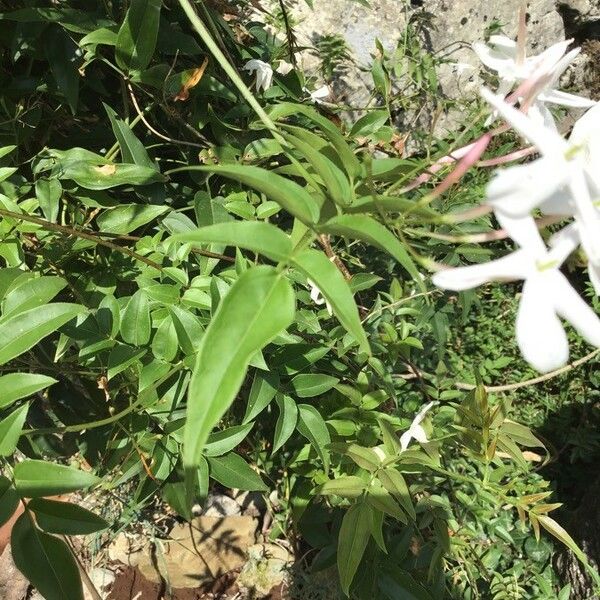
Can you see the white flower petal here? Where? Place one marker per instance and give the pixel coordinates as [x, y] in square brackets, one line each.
[548, 142]
[540, 334]
[571, 306]
[418, 433]
[284, 67]
[586, 134]
[512, 266]
[405, 439]
[523, 231]
[558, 203]
[565, 99]
[517, 190]
[586, 215]
[563, 243]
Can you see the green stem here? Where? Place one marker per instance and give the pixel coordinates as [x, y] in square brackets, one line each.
[214, 49]
[108, 420]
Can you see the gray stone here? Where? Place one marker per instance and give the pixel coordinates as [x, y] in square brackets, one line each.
[453, 25]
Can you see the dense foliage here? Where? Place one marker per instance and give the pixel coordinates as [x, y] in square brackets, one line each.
[202, 286]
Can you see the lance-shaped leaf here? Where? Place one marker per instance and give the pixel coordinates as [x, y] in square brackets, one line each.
[26, 329]
[259, 305]
[137, 36]
[288, 194]
[367, 229]
[262, 238]
[46, 561]
[352, 542]
[327, 277]
[14, 386]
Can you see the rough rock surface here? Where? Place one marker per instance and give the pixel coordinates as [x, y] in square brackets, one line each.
[453, 26]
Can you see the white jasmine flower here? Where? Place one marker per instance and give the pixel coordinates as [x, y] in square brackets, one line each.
[416, 431]
[564, 181]
[264, 73]
[504, 56]
[547, 294]
[284, 67]
[317, 297]
[320, 94]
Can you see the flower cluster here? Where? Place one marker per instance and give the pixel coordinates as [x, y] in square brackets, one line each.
[564, 181]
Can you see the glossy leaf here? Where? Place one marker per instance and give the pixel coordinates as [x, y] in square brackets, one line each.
[352, 541]
[312, 426]
[259, 305]
[328, 278]
[37, 478]
[14, 386]
[46, 561]
[48, 193]
[132, 150]
[34, 292]
[347, 486]
[128, 217]
[286, 422]
[65, 518]
[367, 229]
[9, 500]
[24, 330]
[137, 36]
[135, 321]
[263, 390]
[308, 385]
[293, 198]
[262, 238]
[10, 430]
[233, 471]
[394, 482]
[221, 442]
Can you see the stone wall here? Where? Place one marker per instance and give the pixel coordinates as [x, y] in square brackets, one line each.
[455, 25]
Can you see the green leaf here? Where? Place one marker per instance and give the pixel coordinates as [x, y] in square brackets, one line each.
[165, 343]
[293, 198]
[188, 328]
[352, 542]
[132, 150]
[367, 229]
[327, 277]
[309, 385]
[65, 518]
[259, 305]
[37, 478]
[221, 442]
[9, 500]
[63, 59]
[121, 357]
[137, 36]
[78, 21]
[15, 386]
[31, 293]
[95, 175]
[135, 321]
[262, 238]
[128, 217]
[312, 426]
[233, 471]
[333, 134]
[336, 183]
[46, 561]
[377, 518]
[369, 123]
[48, 193]
[401, 585]
[381, 499]
[10, 430]
[347, 486]
[25, 330]
[286, 422]
[263, 390]
[394, 482]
